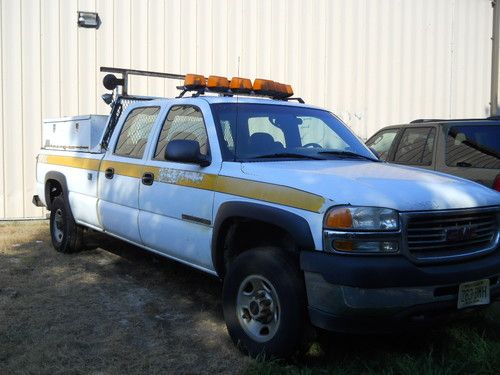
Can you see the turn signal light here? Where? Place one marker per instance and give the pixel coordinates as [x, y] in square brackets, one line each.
[216, 83]
[194, 81]
[239, 84]
[339, 218]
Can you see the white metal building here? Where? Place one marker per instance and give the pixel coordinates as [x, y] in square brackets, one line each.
[373, 62]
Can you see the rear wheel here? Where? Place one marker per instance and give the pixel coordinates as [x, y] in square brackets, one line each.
[67, 236]
[264, 302]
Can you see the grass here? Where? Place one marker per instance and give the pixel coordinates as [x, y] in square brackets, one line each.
[118, 309]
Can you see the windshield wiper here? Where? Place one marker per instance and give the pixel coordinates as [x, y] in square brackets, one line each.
[288, 155]
[347, 153]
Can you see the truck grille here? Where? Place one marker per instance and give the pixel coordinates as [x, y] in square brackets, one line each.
[448, 235]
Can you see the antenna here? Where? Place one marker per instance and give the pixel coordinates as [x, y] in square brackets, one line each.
[237, 117]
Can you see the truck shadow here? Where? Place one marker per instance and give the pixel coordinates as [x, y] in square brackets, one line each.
[195, 292]
[197, 289]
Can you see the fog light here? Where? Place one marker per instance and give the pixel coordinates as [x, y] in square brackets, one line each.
[365, 246]
[343, 245]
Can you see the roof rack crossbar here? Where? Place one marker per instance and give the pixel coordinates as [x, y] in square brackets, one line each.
[423, 120]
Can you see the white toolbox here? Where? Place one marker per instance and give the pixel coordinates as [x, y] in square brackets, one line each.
[78, 133]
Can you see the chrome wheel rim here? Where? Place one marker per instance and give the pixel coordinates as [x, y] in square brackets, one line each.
[57, 228]
[258, 308]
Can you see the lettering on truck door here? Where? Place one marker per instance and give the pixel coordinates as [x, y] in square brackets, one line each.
[176, 208]
[121, 171]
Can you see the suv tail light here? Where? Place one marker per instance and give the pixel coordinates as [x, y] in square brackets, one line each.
[496, 183]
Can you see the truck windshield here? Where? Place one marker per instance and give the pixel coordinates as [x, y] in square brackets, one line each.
[473, 146]
[266, 132]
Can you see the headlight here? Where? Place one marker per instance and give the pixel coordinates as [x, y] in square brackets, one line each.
[362, 218]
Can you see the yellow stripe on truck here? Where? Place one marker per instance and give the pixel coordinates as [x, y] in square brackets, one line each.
[124, 169]
[70, 161]
[272, 193]
[262, 191]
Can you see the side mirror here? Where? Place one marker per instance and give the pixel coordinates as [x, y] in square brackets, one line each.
[186, 151]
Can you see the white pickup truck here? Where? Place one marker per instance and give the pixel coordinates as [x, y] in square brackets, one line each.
[284, 203]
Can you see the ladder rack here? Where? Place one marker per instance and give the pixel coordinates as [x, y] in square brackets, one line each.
[127, 72]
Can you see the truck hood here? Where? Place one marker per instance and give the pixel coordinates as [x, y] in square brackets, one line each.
[365, 183]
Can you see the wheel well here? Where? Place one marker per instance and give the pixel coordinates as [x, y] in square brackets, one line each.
[53, 189]
[238, 235]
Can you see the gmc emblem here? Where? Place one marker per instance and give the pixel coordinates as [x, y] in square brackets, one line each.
[463, 233]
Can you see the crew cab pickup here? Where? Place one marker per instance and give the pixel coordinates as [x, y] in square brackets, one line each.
[285, 204]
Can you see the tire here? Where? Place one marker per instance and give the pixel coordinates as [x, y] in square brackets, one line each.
[67, 236]
[264, 303]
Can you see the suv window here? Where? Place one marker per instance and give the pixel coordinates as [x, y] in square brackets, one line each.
[473, 146]
[382, 142]
[135, 131]
[416, 146]
[182, 122]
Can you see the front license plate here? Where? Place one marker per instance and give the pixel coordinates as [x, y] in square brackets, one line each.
[474, 293]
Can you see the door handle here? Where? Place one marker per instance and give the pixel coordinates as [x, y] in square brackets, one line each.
[148, 178]
[109, 173]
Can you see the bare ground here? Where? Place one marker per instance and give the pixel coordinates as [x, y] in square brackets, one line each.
[106, 311]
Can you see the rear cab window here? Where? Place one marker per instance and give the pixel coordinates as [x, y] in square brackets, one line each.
[476, 146]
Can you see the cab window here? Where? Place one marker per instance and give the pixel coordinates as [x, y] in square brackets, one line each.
[416, 146]
[382, 142]
[134, 134]
[182, 122]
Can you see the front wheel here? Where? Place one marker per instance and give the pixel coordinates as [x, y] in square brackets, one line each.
[67, 236]
[264, 302]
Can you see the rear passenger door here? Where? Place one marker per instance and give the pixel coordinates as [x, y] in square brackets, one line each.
[416, 147]
[176, 207]
[121, 170]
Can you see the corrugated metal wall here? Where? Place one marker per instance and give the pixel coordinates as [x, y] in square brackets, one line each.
[373, 62]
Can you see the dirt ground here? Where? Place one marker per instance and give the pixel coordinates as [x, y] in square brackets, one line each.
[121, 310]
[113, 310]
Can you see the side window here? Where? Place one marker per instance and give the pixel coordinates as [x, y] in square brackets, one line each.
[382, 142]
[135, 131]
[183, 122]
[473, 146]
[415, 147]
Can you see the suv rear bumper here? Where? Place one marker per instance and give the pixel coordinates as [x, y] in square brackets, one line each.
[380, 294]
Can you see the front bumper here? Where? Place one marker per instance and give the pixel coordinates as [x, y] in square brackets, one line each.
[379, 294]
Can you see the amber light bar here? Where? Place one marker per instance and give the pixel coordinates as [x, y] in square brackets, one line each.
[237, 85]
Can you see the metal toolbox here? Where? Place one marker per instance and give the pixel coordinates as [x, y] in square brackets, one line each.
[78, 133]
